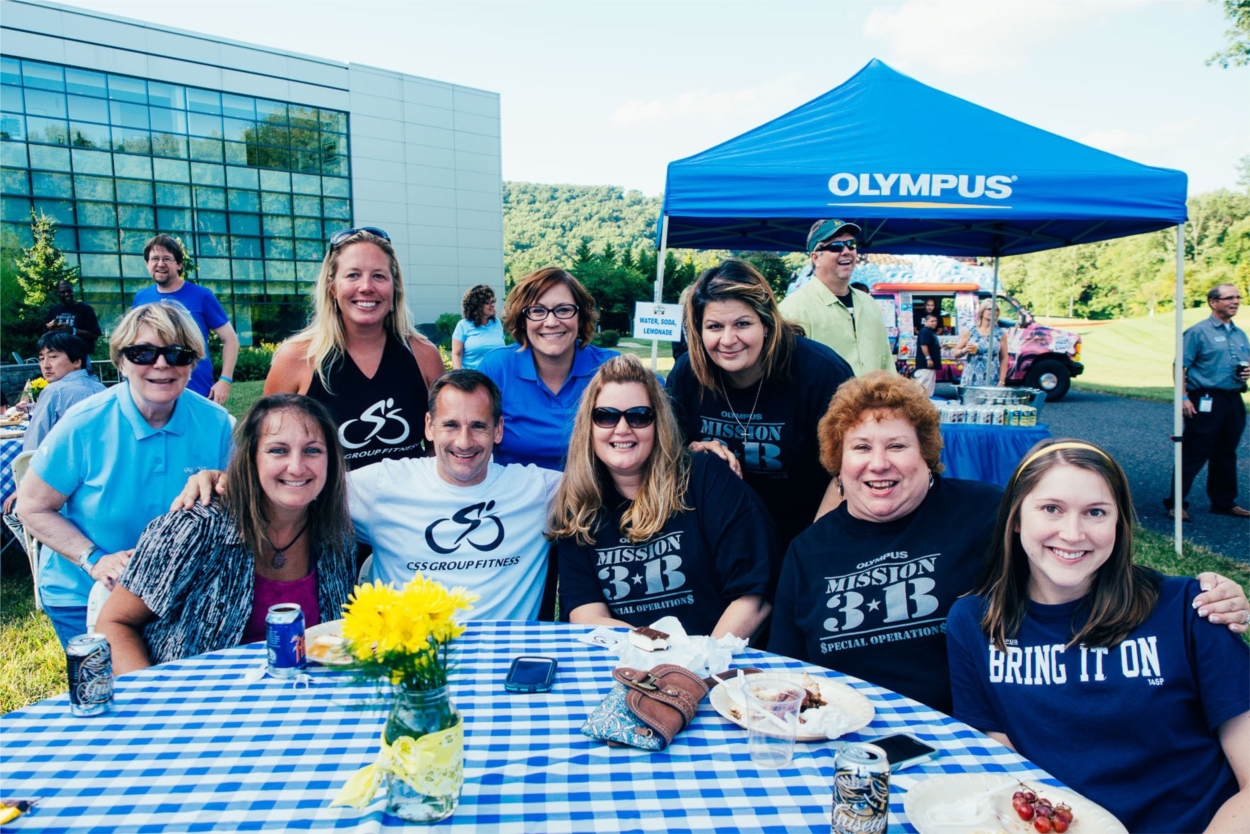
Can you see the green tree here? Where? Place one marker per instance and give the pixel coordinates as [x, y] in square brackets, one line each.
[1237, 52]
[773, 267]
[615, 289]
[31, 281]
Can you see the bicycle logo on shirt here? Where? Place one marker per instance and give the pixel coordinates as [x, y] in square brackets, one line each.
[475, 519]
[378, 415]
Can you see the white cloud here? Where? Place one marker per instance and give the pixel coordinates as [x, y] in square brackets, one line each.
[761, 99]
[969, 36]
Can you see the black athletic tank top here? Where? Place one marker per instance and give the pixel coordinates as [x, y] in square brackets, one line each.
[382, 417]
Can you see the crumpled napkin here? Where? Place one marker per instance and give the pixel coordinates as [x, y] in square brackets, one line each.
[830, 722]
[699, 654]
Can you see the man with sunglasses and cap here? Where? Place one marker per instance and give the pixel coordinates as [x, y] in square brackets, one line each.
[164, 258]
[833, 312]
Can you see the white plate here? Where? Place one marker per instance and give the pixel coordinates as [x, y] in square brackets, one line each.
[964, 803]
[727, 700]
[334, 628]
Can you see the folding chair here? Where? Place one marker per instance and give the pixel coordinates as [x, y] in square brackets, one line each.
[20, 465]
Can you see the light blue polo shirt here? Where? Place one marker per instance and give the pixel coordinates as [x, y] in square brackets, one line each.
[120, 473]
[537, 423]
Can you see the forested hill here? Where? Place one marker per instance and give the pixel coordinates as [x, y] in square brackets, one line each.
[544, 224]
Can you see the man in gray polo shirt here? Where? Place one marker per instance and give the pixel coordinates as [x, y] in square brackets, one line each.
[1217, 365]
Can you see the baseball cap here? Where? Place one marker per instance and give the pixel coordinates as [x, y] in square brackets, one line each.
[822, 230]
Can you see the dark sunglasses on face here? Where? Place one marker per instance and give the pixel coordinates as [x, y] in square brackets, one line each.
[346, 233]
[837, 246]
[561, 311]
[175, 355]
[638, 417]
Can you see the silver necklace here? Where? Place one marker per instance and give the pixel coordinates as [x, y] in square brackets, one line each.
[734, 413]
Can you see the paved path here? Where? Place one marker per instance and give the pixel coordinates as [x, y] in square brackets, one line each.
[1136, 433]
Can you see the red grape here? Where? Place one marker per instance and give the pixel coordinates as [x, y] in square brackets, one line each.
[1042, 824]
[1059, 825]
[1025, 810]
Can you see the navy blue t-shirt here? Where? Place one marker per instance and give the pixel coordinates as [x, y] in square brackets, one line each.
[702, 560]
[776, 442]
[1132, 727]
[870, 599]
[928, 337]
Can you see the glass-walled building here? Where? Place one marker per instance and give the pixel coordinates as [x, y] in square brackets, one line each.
[252, 182]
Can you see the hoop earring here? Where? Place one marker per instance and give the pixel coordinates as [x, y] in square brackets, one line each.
[930, 479]
[841, 492]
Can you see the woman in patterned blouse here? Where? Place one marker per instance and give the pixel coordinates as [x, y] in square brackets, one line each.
[203, 579]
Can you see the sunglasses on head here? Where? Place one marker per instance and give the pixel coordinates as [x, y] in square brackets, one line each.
[346, 233]
[638, 417]
[175, 355]
[837, 246]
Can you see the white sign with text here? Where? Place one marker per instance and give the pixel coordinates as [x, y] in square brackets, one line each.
[659, 322]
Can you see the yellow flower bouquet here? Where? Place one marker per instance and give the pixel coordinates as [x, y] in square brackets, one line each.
[34, 388]
[403, 636]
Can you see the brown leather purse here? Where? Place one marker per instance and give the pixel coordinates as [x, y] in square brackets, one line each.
[647, 709]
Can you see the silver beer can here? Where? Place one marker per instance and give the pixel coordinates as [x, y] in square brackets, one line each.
[861, 791]
[89, 667]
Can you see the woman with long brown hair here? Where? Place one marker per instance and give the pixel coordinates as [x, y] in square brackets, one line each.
[360, 356]
[753, 389]
[1098, 669]
[203, 578]
[646, 529]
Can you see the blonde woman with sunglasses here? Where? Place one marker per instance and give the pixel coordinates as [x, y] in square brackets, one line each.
[361, 357]
[116, 460]
[646, 529]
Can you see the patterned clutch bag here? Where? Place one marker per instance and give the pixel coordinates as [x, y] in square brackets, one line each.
[647, 709]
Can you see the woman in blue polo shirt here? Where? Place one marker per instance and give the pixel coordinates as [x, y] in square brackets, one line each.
[115, 461]
[542, 377]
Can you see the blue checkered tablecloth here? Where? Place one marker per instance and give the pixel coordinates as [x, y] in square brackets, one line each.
[190, 747]
[10, 448]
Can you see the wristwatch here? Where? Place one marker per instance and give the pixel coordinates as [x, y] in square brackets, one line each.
[85, 555]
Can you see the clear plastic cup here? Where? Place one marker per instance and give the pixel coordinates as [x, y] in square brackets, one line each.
[772, 706]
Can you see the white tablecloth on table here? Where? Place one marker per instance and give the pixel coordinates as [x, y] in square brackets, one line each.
[191, 747]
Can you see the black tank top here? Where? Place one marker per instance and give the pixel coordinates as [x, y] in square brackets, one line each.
[378, 418]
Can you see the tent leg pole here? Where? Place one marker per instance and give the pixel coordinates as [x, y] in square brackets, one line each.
[994, 351]
[1178, 393]
[659, 288]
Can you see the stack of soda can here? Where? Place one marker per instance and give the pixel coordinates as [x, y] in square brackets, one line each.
[988, 414]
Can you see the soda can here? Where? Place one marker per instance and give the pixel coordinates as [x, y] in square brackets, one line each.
[284, 640]
[861, 790]
[89, 667]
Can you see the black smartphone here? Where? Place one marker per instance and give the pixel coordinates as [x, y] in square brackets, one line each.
[531, 674]
[903, 751]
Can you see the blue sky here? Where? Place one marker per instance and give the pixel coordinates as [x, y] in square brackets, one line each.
[608, 92]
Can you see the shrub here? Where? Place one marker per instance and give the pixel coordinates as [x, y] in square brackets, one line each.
[252, 365]
[446, 325]
[607, 338]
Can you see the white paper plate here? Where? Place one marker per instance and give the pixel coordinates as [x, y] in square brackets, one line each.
[727, 700]
[334, 628]
[953, 804]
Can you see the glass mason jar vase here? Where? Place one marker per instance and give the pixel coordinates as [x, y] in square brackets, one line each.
[426, 736]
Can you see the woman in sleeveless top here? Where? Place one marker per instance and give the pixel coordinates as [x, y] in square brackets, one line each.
[203, 579]
[983, 366]
[361, 356]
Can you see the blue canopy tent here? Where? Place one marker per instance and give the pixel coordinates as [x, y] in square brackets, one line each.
[922, 172]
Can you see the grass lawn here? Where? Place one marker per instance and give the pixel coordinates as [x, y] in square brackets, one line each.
[34, 666]
[1133, 357]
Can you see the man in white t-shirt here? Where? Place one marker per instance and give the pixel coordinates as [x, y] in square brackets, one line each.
[457, 517]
